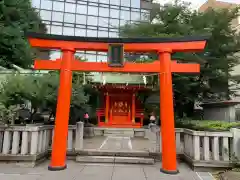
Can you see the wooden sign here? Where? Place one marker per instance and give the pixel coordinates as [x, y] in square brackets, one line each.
[116, 55]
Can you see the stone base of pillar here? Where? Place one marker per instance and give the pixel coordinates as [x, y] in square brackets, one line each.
[58, 168]
[169, 172]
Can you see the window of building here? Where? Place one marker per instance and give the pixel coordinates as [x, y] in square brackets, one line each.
[47, 22]
[125, 15]
[80, 32]
[145, 15]
[56, 30]
[57, 16]
[104, 1]
[115, 2]
[91, 33]
[114, 29]
[36, 3]
[92, 10]
[123, 22]
[102, 53]
[102, 28]
[92, 0]
[45, 15]
[48, 29]
[70, 18]
[81, 9]
[103, 22]
[102, 33]
[72, 1]
[57, 23]
[104, 5]
[125, 3]
[135, 3]
[69, 7]
[91, 57]
[114, 23]
[55, 54]
[114, 13]
[113, 34]
[92, 20]
[46, 4]
[104, 12]
[69, 31]
[58, 6]
[101, 58]
[81, 19]
[125, 8]
[135, 16]
[92, 27]
[80, 26]
[80, 54]
[69, 24]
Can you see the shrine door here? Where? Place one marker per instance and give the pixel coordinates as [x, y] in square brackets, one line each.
[120, 109]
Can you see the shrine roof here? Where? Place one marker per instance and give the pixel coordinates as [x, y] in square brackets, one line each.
[118, 78]
[121, 87]
[116, 40]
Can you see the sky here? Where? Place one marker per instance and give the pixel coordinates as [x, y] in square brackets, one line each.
[196, 3]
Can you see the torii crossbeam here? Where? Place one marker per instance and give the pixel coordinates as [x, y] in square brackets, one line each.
[164, 66]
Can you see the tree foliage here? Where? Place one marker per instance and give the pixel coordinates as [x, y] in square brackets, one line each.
[217, 60]
[40, 90]
[16, 18]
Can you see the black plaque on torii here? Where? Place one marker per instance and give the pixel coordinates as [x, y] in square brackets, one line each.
[116, 55]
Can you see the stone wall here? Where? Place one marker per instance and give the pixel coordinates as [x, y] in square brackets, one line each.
[221, 111]
[32, 144]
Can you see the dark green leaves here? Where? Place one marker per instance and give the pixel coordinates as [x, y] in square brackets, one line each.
[17, 17]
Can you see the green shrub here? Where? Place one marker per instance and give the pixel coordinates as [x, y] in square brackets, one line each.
[206, 125]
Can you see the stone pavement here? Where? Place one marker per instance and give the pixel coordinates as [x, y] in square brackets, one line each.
[230, 175]
[77, 171]
[116, 143]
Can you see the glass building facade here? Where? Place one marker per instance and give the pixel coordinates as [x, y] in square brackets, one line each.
[91, 18]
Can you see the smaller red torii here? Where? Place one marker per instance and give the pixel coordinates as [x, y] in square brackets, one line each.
[164, 66]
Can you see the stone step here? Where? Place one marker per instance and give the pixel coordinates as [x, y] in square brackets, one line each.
[90, 152]
[119, 132]
[114, 159]
[118, 135]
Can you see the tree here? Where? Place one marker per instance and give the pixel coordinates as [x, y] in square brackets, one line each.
[16, 18]
[40, 90]
[217, 60]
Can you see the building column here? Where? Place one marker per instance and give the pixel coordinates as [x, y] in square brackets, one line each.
[133, 108]
[169, 157]
[107, 109]
[59, 147]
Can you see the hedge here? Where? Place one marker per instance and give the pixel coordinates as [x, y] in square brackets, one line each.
[206, 125]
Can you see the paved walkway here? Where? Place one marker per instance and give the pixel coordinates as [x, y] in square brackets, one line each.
[80, 171]
[117, 143]
[132, 172]
[231, 175]
[76, 171]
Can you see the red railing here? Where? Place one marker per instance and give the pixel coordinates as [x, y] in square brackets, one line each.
[139, 113]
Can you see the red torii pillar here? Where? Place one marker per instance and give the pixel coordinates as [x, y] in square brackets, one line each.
[169, 153]
[164, 67]
[59, 145]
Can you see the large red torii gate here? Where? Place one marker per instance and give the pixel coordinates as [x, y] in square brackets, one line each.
[164, 66]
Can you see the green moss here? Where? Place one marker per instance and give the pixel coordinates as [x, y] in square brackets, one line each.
[206, 125]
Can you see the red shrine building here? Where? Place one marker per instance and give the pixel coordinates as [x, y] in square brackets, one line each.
[118, 102]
